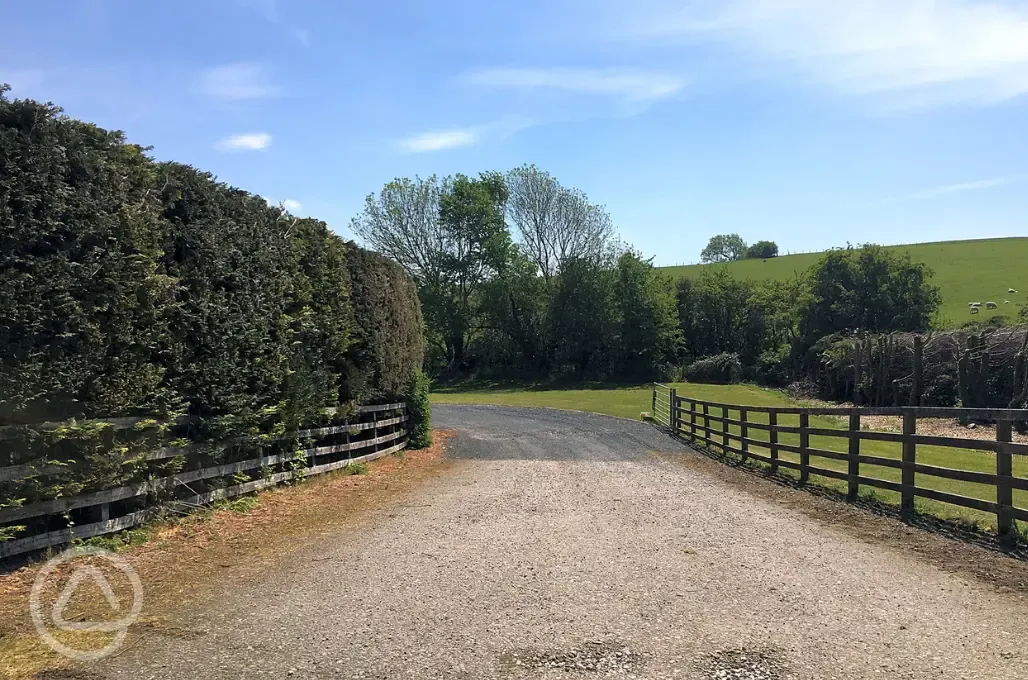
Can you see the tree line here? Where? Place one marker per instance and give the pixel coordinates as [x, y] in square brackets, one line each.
[732, 247]
[520, 276]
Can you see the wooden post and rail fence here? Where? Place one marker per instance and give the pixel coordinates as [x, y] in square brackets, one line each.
[1001, 484]
[375, 431]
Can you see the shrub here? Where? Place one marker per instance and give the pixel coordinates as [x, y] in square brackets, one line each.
[419, 410]
[772, 367]
[720, 369]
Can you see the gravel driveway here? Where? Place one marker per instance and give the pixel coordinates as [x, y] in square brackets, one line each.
[565, 545]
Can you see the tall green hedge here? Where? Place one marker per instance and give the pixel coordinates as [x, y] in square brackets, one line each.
[132, 287]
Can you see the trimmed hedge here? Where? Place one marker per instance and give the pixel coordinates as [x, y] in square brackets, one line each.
[132, 287]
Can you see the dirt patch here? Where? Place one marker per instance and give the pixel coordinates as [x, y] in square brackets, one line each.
[191, 559]
[954, 553]
[937, 427]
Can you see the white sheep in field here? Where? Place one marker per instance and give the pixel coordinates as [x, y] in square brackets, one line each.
[974, 304]
[974, 310]
[991, 305]
[1012, 291]
[1006, 302]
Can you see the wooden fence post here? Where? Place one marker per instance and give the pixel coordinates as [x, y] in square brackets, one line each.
[673, 410]
[772, 421]
[744, 433]
[804, 448]
[706, 424]
[653, 405]
[1005, 524]
[909, 459]
[692, 419]
[854, 460]
[724, 430]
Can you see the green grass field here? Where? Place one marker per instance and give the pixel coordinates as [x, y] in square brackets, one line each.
[630, 401]
[965, 271]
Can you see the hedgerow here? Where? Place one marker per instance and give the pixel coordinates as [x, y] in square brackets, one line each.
[130, 287]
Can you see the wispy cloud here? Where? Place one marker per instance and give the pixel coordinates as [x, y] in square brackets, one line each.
[458, 137]
[251, 141]
[270, 12]
[631, 85]
[977, 185]
[235, 82]
[291, 205]
[916, 52]
[439, 140]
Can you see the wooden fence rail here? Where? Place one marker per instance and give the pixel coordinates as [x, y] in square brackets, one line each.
[384, 432]
[693, 419]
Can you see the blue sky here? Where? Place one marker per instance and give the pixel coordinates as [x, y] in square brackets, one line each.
[809, 122]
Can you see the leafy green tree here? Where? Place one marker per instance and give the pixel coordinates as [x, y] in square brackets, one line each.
[867, 289]
[449, 234]
[649, 336]
[582, 319]
[762, 250]
[724, 248]
[513, 306]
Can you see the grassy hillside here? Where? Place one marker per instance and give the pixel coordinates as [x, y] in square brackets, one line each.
[966, 271]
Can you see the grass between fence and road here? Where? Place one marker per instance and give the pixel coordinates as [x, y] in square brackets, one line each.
[630, 401]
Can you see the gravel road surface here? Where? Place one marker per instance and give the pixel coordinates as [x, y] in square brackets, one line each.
[566, 545]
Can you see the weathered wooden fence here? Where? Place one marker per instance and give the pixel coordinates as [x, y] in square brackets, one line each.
[376, 431]
[990, 476]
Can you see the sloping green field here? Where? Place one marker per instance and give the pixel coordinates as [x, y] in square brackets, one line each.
[965, 271]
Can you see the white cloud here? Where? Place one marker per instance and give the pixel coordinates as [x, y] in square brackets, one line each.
[251, 141]
[455, 138]
[628, 84]
[977, 185]
[915, 52]
[291, 205]
[233, 82]
[440, 140]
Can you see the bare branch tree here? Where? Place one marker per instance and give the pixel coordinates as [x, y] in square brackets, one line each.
[554, 224]
[402, 222]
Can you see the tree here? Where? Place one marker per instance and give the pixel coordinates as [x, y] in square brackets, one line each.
[724, 248]
[449, 234]
[513, 306]
[554, 224]
[649, 336]
[869, 289]
[762, 250]
[582, 320]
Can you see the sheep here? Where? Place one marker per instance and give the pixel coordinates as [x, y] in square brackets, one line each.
[991, 305]
[1012, 291]
[974, 310]
[1006, 302]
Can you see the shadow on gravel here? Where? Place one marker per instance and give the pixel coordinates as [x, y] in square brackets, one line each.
[531, 433]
